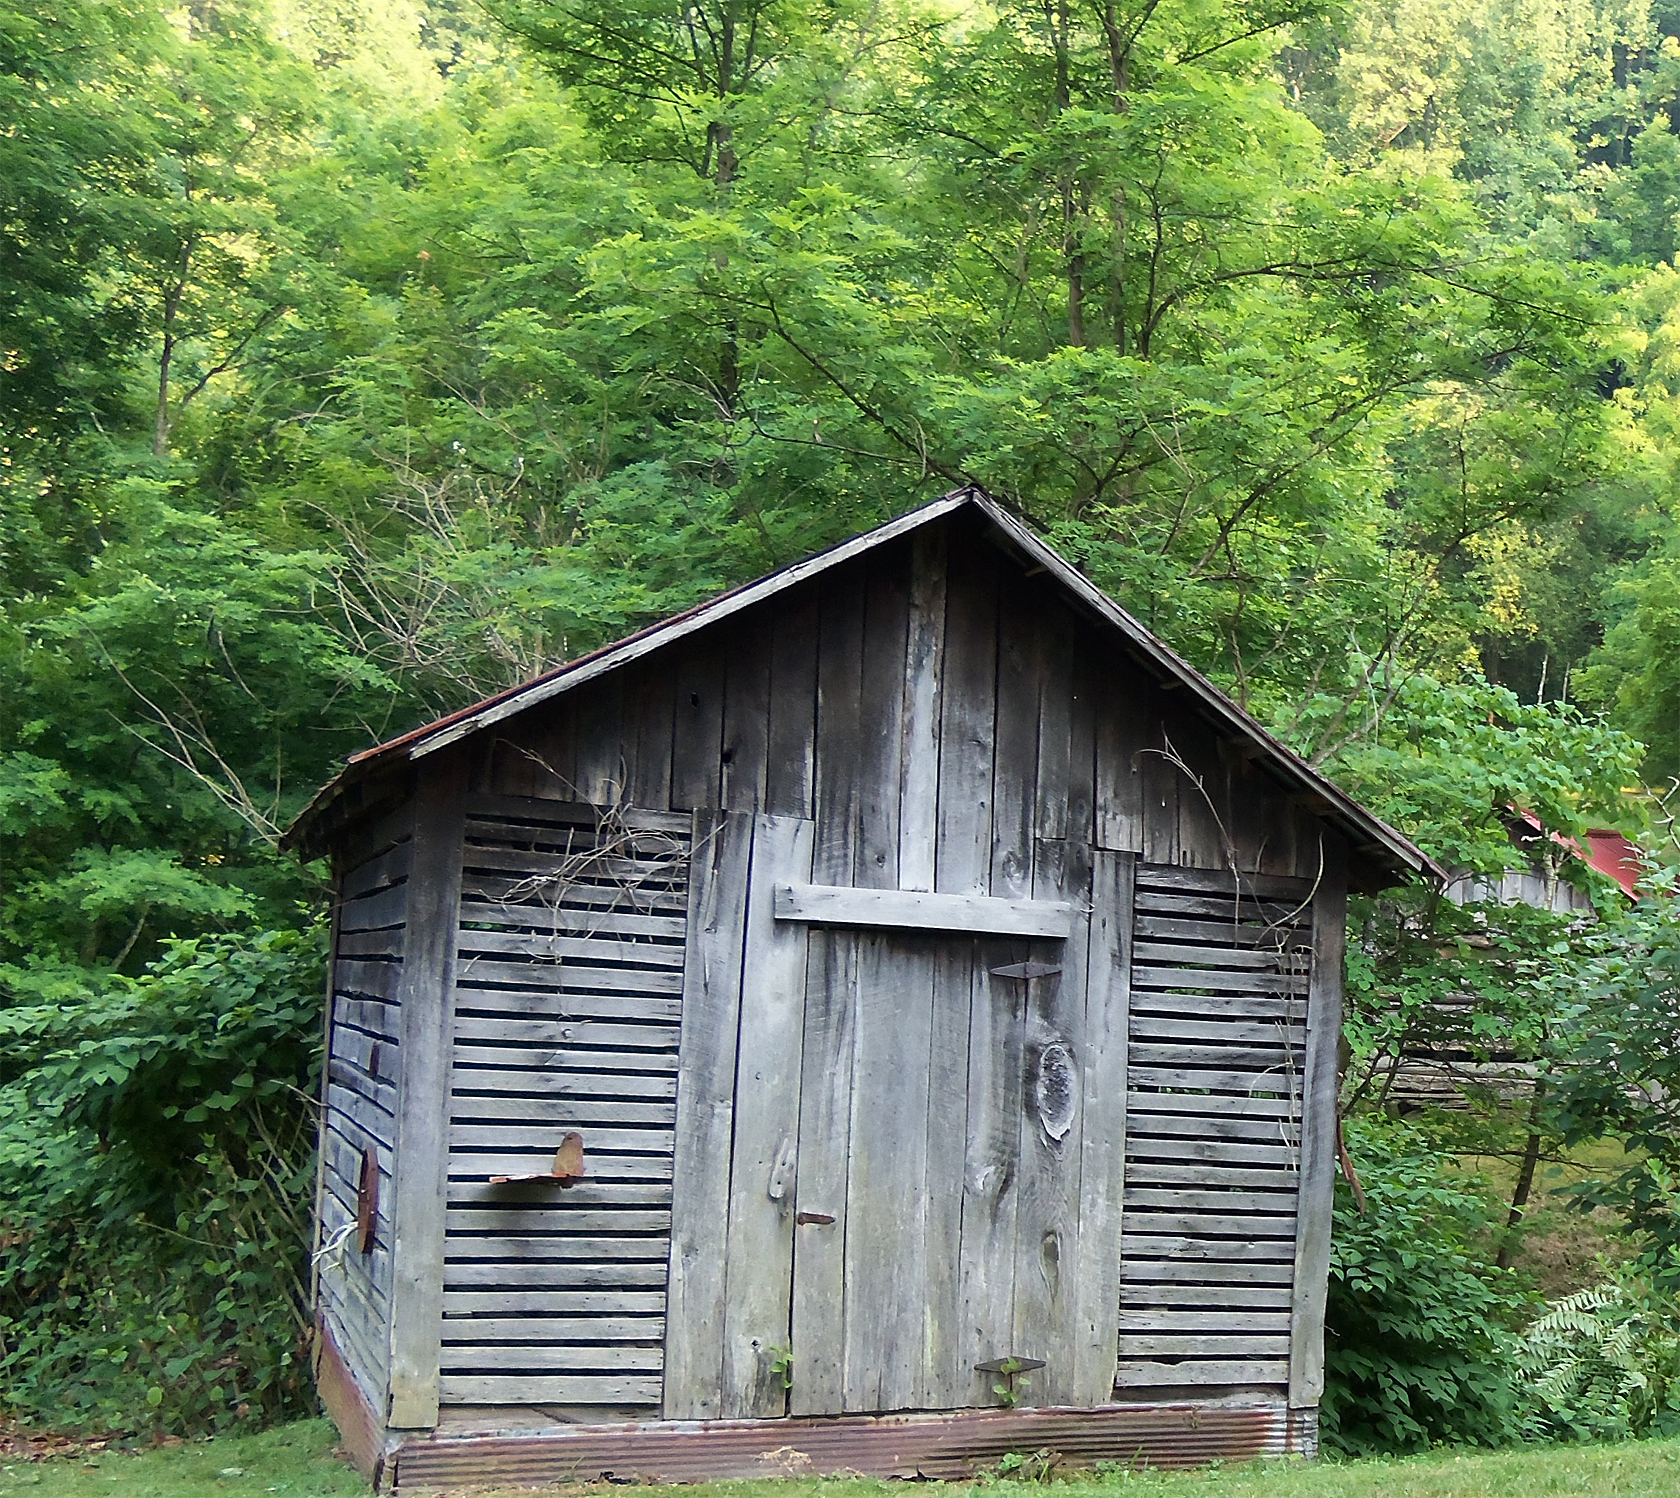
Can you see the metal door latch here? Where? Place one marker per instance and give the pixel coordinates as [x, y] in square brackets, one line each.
[1027, 970]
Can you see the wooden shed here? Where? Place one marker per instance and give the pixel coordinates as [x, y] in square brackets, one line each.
[880, 1020]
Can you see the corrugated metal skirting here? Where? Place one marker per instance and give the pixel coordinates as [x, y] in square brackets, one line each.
[943, 1446]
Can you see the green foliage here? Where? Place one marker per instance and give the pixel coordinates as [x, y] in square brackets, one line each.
[1420, 1348]
[1604, 1363]
[359, 357]
[1424, 975]
[156, 1165]
[1451, 761]
[1620, 1069]
[1634, 673]
[158, 714]
[704, 86]
[73, 161]
[1025, 1466]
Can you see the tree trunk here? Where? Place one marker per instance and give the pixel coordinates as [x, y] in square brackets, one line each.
[1525, 1184]
[723, 133]
[1117, 270]
[1072, 228]
[160, 428]
[1075, 273]
[723, 137]
[1119, 58]
[172, 294]
[1119, 69]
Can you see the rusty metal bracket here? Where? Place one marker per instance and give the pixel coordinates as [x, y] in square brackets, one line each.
[566, 1169]
[367, 1201]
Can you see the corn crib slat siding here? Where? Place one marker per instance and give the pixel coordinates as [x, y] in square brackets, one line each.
[1213, 1128]
[567, 1011]
[362, 1070]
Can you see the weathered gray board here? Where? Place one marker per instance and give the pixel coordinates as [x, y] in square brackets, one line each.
[417, 1227]
[568, 982]
[363, 1056]
[1214, 1107]
[1318, 1141]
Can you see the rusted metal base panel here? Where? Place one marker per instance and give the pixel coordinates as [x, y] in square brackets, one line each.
[948, 1445]
[362, 1433]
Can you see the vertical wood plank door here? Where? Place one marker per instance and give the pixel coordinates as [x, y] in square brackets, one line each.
[943, 1137]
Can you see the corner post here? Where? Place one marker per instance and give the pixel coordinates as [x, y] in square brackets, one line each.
[422, 1127]
[1318, 1129]
[327, 1019]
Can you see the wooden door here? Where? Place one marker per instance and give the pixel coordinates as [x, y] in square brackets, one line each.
[893, 1161]
[942, 1143]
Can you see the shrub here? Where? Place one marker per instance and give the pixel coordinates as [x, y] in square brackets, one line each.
[1617, 1075]
[1419, 1341]
[156, 1170]
[1604, 1363]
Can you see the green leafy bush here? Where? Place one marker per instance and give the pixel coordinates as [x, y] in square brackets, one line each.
[1604, 1363]
[1419, 1341]
[156, 1170]
[1617, 1075]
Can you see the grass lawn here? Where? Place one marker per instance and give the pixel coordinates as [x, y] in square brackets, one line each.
[297, 1461]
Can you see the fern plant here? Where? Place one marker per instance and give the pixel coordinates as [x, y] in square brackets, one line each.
[1604, 1362]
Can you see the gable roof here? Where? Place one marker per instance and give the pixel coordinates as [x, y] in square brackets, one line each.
[1372, 840]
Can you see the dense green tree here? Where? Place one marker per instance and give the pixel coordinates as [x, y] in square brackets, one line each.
[75, 161]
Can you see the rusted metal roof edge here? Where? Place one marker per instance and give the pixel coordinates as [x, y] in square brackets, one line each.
[1369, 833]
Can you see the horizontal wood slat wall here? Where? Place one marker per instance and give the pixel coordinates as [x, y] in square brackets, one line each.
[567, 1007]
[1213, 1128]
[363, 1058]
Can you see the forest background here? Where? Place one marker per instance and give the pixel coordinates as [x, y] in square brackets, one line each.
[360, 357]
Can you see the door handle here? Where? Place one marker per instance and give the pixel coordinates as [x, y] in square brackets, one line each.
[813, 1219]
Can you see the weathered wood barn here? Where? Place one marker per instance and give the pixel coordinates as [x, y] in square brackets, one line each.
[882, 1019]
